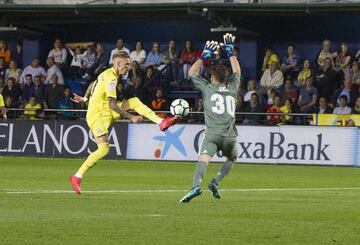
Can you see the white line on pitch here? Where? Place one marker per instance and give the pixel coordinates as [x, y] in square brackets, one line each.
[156, 215]
[176, 191]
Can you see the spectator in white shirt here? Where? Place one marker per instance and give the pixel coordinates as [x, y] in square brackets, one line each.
[342, 109]
[34, 69]
[89, 58]
[139, 54]
[119, 47]
[58, 53]
[272, 78]
[251, 88]
[13, 71]
[77, 58]
[88, 61]
[53, 69]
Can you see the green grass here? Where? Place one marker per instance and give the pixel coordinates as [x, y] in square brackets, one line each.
[320, 216]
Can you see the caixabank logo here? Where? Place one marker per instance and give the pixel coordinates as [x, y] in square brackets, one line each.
[167, 140]
[284, 144]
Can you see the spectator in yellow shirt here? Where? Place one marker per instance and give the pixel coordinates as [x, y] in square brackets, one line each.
[33, 108]
[2, 106]
[304, 73]
[286, 108]
[324, 53]
[270, 57]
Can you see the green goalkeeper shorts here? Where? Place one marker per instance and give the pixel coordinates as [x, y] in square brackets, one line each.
[214, 143]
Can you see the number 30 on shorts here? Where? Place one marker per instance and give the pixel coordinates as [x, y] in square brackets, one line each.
[222, 104]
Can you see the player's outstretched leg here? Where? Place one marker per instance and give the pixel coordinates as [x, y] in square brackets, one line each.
[223, 171]
[101, 152]
[168, 122]
[136, 105]
[197, 179]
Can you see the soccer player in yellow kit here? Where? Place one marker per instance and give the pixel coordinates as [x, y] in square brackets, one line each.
[2, 106]
[103, 110]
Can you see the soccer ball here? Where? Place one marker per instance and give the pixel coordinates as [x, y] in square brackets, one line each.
[179, 107]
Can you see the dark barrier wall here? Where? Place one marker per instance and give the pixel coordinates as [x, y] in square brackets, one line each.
[57, 138]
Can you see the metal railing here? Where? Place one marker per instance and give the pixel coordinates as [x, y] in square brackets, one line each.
[193, 117]
[245, 118]
[190, 112]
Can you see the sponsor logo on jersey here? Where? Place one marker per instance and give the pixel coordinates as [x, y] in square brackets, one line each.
[112, 85]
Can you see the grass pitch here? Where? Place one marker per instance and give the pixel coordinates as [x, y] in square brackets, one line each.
[133, 202]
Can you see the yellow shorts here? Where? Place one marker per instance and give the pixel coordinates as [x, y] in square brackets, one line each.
[100, 125]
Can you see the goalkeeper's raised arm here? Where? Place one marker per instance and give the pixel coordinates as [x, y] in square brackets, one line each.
[207, 53]
[228, 47]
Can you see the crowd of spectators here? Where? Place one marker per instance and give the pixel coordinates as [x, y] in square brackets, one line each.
[331, 85]
[71, 67]
[328, 82]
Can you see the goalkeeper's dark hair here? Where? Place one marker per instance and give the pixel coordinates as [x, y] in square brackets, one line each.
[220, 72]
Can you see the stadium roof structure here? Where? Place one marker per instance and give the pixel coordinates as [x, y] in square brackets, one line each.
[31, 13]
[59, 2]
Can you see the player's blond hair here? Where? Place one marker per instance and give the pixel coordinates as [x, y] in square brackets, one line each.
[122, 55]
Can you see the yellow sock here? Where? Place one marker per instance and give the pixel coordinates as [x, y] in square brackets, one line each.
[102, 151]
[136, 105]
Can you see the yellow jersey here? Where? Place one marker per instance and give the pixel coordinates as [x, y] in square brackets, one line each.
[273, 58]
[2, 104]
[322, 56]
[303, 75]
[103, 88]
[32, 113]
[286, 109]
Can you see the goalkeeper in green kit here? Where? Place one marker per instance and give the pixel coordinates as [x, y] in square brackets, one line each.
[219, 108]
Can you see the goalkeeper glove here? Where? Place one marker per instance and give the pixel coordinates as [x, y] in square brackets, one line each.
[209, 50]
[228, 44]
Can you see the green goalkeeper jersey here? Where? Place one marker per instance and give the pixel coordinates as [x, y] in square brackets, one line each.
[219, 104]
